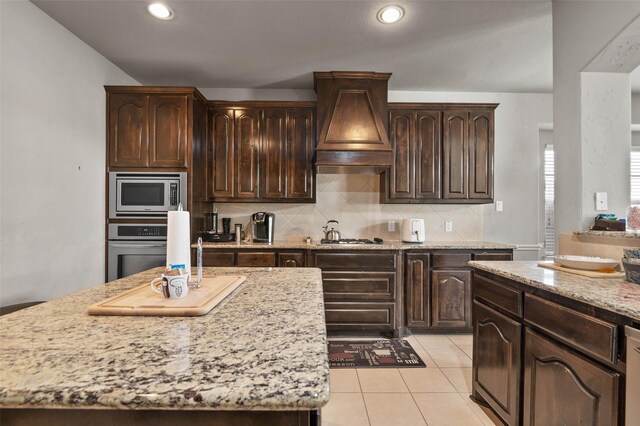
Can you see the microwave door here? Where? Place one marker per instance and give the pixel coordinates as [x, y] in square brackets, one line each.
[142, 195]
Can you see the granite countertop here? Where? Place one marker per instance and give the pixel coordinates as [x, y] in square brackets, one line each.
[263, 348]
[614, 295]
[610, 234]
[387, 245]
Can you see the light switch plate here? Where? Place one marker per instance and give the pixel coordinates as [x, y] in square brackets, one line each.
[391, 226]
[601, 201]
[499, 206]
[448, 226]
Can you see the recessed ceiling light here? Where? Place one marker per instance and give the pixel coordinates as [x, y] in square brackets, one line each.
[160, 11]
[390, 14]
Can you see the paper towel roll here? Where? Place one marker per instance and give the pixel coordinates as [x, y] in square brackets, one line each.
[179, 239]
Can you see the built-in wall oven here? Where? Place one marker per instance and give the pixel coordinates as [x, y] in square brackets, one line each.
[133, 248]
[145, 194]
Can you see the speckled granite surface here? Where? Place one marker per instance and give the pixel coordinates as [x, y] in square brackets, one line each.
[262, 348]
[615, 295]
[387, 245]
[610, 234]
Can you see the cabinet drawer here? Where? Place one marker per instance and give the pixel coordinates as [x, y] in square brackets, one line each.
[492, 256]
[291, 260]
[226, 258]
[446, 260]
[256, 259]
[371, 316]
[373, 260]
[359, 285]
[497, 295]
[593, 336]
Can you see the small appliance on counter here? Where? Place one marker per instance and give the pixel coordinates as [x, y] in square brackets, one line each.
[262, 227]
[413, 231]
[212, 235]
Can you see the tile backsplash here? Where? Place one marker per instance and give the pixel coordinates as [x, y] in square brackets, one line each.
[353, 200]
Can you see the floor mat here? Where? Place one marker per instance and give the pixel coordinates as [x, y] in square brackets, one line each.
[394, 353]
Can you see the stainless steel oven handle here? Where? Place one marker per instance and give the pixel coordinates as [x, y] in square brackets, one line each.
[136, 245]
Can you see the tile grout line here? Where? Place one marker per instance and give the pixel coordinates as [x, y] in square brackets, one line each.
[364, 402]
[413, 398]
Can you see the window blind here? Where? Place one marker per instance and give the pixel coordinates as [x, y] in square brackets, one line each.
[549, 196]
[635, 175]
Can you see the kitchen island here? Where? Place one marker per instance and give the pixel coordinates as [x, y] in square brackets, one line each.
[549, 346]
[260, 357]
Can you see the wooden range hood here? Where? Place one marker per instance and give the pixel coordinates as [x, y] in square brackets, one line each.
[352, 122]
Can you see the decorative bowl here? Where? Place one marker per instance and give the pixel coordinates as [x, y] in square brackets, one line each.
[587, 263]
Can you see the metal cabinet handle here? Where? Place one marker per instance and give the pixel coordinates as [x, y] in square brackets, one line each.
[290, 263]
[637, 349]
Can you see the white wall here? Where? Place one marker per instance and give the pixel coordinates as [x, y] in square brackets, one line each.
[581, 30]
[353, 200]
[52, 183]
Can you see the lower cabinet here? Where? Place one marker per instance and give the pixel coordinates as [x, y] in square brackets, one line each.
[496, 359]
[438, 288]
[563, 388]
[250, 258]
[361, 290]
[451, 299]
[531, 371]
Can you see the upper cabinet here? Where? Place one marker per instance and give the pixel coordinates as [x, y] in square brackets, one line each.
[443, 153]
[149, 127]
[261, 153]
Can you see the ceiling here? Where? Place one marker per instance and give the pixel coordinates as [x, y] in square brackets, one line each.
[487, 46]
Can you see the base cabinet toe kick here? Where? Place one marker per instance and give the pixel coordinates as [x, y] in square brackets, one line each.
[543, 359]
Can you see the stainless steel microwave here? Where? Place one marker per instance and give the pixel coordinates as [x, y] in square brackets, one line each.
[145, 194]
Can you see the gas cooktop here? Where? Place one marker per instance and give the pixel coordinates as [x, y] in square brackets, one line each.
[352, 241]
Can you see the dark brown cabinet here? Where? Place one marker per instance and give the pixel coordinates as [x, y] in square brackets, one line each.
[149, 127]
[496, 356]
[128, 130]
[361, 290]
[417, 290]
[261, 153]
[539, 362]
[562, 387]
[443, 153]
[451, 299]
[438, 288]
[251, 258]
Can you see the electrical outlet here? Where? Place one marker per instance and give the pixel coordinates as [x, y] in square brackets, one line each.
[391, 226]
[601, 201]
[499, 206]
[448, 226]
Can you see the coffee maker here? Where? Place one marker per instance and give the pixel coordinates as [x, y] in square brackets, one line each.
[262, 224]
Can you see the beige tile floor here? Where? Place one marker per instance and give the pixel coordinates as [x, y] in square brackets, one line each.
[433, 396]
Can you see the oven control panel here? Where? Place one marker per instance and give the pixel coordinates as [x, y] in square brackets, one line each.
[137, 232]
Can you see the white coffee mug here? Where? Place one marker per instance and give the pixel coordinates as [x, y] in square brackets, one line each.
[171, 287]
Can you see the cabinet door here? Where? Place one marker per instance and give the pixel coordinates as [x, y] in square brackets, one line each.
[247, 142]
[291, 260]
[128, 130]
[481, 155]
[417, 290]
[220, 182]
[255, 259]
[563, 388]
[299, 151]
[456, 155]
[273, 154]
[496, 361]
[427, 154]
[451, 299]
[402, 138]
[217, 258]
[168, 118]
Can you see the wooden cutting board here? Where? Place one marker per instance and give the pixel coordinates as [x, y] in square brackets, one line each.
[590, 274]
[142, 300]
